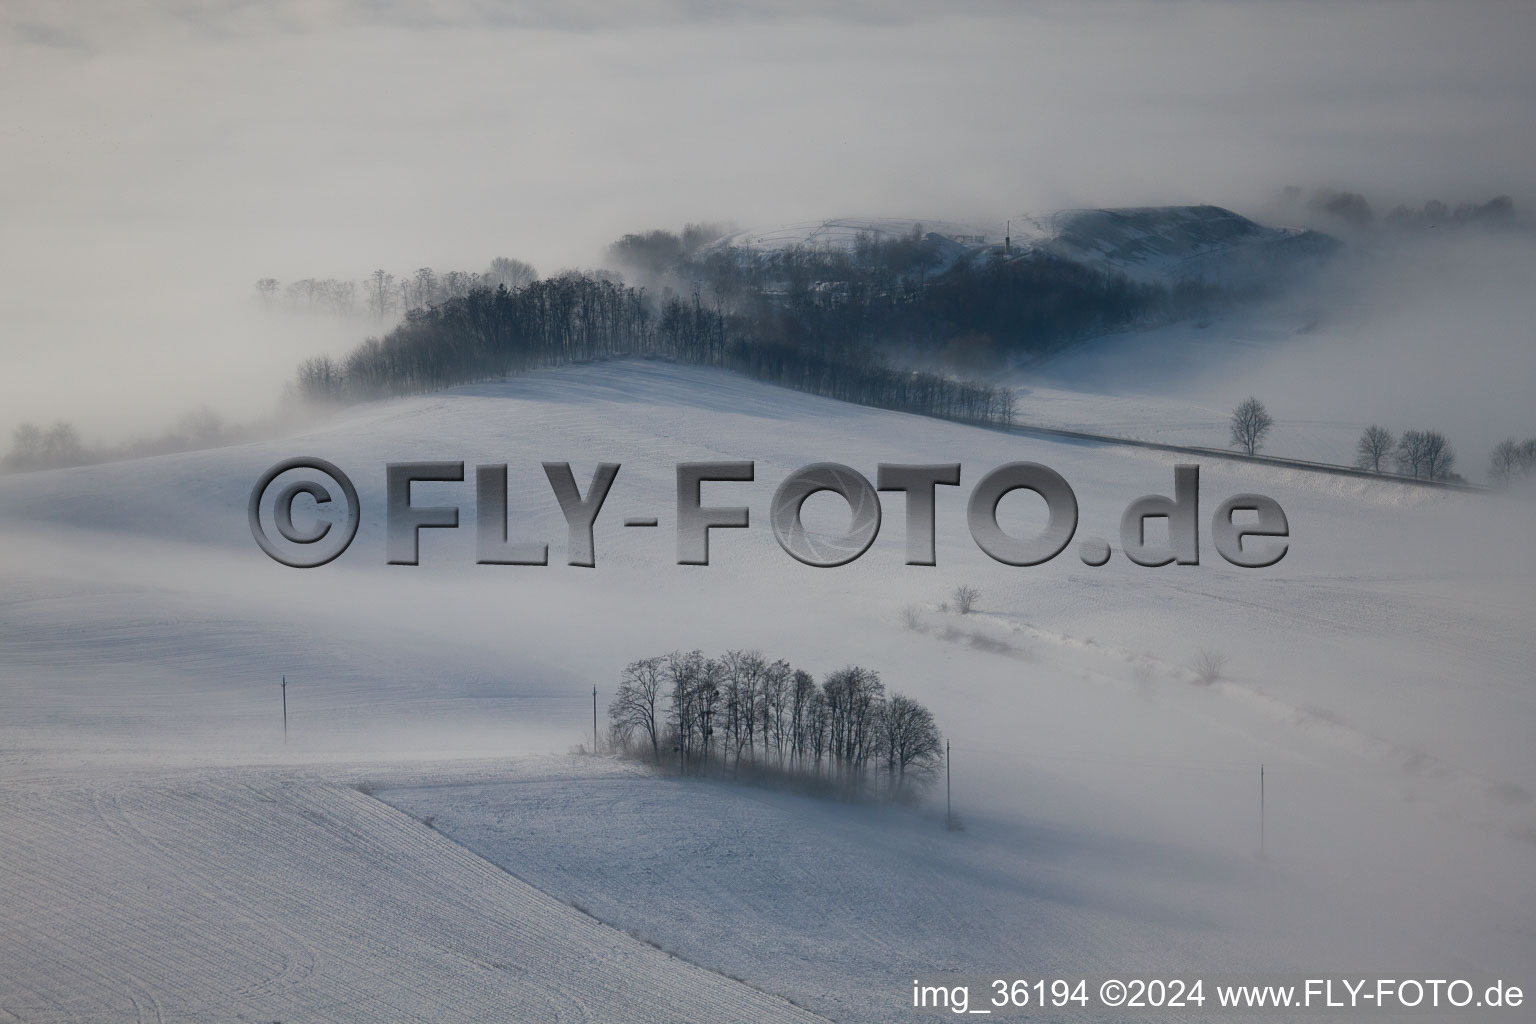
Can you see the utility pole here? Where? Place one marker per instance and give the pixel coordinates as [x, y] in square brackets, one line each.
[949, 822]
[594, 719]
[1261, 811]
[285, 711]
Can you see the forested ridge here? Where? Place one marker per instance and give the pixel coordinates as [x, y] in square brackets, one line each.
[829, 322]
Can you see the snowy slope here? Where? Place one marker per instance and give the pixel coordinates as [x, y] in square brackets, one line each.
[253, 897]
[843, 905]
[1178, 383]
[1183, 243]
[1380, 672]
[1155, 244]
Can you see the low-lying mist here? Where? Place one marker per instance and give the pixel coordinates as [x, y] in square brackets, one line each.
[162, 162]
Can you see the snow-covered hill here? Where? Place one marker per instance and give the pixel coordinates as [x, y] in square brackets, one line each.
[1163, 244]
[183, 860]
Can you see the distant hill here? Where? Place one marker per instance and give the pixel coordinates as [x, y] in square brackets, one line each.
[1149, 244]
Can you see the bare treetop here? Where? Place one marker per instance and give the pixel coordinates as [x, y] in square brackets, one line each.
[1251, 423]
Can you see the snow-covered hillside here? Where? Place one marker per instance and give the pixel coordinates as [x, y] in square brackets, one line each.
[1183, 243]
[164, 854]
[1178, 383]
[1155, 243]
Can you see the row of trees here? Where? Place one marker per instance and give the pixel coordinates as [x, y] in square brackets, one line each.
[60, 446]
[741, 711]
[576, 317]
[33, 447]
[816, 319]
[1418, 453]
[382, 294]
[1355, 210]
[1422, 454]
[914, 292]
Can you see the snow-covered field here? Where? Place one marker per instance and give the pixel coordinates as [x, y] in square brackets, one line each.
[163, 854]
[1178, 384]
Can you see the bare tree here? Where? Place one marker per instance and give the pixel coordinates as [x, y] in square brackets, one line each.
[965, 598]
[1374, 445]
[425, 286]
[636, 704]
[1209, 667]
[738, 698]
[775, 687]
[1425, 453]
[912, 743]
[456, 284]
[381, 286]
[1410, 452]
[818, 730]
[802, 692]
[1251, 423]
[853, 696]
[509, 273]
[1438, 456]
[1504, 462]
[685, 677]
[1512, 461]
[1007, 405]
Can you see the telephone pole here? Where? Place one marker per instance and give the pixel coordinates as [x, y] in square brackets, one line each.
[1261, 811]
[594, 719]
[949, 822]
[285, 711]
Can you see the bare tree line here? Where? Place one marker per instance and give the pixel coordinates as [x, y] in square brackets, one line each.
[60, 445]
[382, 294]
[1420, 454]
[1417, 453]
[575, 317]
[741, 712]
[911, 292]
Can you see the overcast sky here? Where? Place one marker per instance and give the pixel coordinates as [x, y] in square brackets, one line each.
[159, 157]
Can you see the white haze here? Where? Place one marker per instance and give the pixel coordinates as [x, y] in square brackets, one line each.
[1432, 335]
[161, 157]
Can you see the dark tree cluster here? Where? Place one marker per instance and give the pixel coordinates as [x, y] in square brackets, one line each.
[916, 293]
[576, 317]
[818, 320]
[926, 297]
[741, 713]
